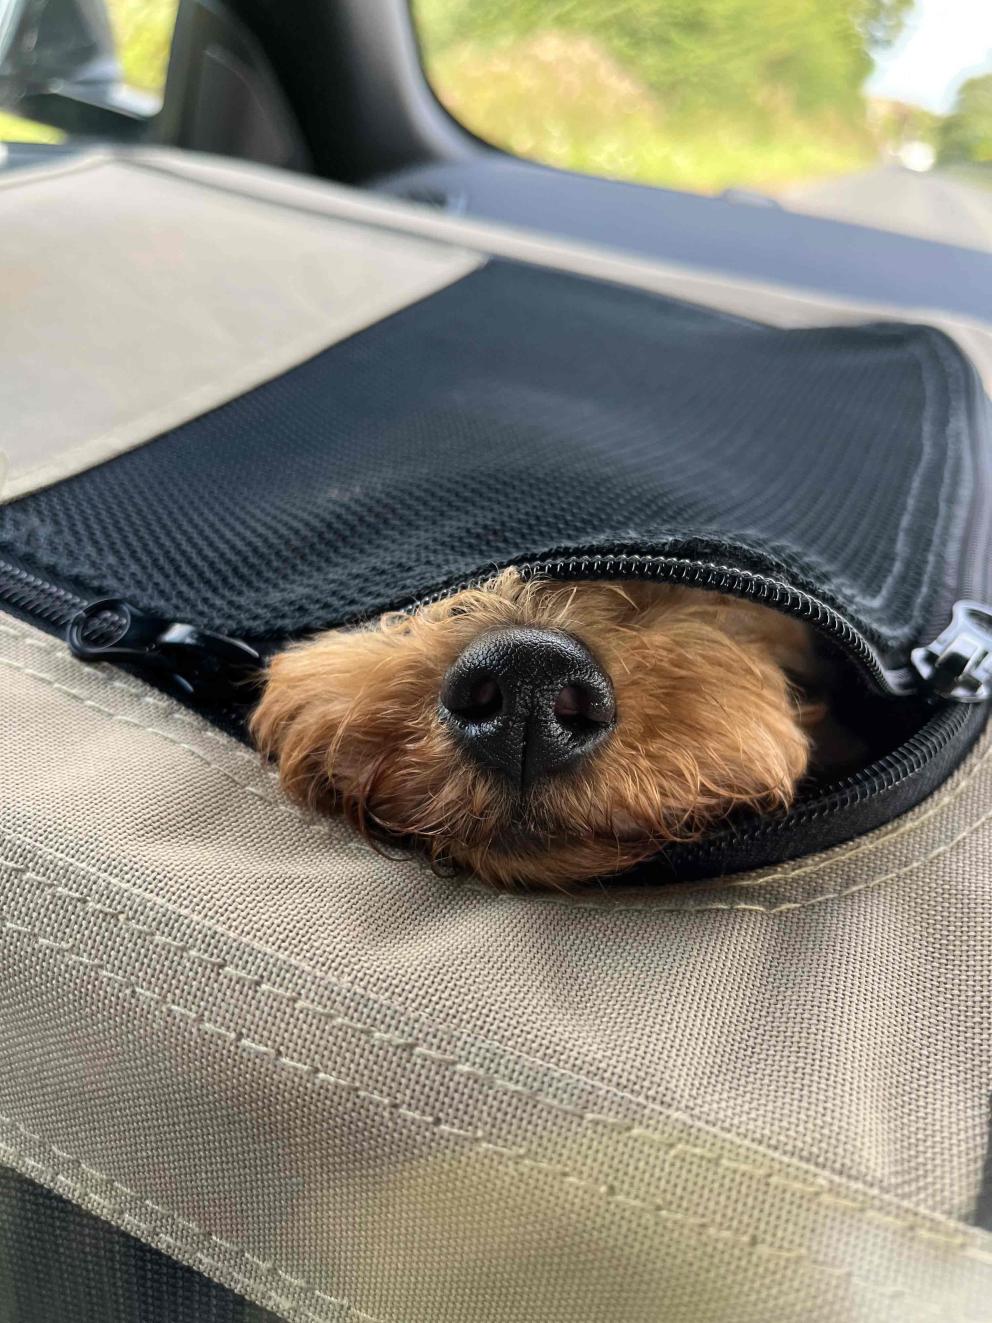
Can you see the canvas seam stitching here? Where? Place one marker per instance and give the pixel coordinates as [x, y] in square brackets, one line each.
[723, 1235]
[783, 907]
[928, 430]
[757, 1249]
[266, 1267]
[412, 1046]
[151, 699]
[194, 1020]
[856, 849]
[280, 806]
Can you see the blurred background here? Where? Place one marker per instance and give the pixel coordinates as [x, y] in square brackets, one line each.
[874, 111]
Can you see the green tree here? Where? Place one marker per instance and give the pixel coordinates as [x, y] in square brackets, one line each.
[966, 134]
[695, 54]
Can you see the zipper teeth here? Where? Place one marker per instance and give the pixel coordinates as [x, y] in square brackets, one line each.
[56, 606]
[27, 592]
[707, 574]
[36, 597]
[886, 773]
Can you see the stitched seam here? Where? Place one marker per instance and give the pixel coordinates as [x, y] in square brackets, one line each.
[757, 1249]
[411, 1046]
[874, 843]
[263, 1266]
[901, 552]
[934, 805]
[194, 1020]
[284, 808]
[783, 907]
[495, 1080]
[143, 694]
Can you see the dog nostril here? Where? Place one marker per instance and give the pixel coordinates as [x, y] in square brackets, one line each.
[470, 696]
[568, 703]
[483, 700]
[582, 711]
[486, 699]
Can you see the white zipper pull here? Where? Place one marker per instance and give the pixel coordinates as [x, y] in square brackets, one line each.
[958, 664]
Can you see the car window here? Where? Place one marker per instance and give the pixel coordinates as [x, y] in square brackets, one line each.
[873, 111]
[142, 32]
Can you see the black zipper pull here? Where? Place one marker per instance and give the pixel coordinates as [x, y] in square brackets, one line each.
[958, 663]
[191, 663]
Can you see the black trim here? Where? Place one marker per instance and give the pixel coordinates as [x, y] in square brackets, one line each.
[60, 1262]
[352, 74]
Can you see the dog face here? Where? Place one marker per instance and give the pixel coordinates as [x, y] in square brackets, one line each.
[544, 732]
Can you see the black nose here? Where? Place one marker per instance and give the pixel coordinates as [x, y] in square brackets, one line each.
[527, 702]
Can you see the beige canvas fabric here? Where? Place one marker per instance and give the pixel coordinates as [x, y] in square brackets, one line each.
[352, 1090]
[777, 304]
[132, 303]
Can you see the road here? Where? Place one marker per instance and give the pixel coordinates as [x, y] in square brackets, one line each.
[938, 206]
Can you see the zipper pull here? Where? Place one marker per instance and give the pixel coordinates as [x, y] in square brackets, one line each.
[958, 663]
[190, 663]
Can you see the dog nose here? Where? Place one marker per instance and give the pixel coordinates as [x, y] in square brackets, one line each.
[527, 702]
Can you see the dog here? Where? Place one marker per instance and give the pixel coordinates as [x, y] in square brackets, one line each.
[542, 732]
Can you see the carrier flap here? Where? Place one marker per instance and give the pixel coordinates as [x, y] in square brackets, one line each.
[534, 417]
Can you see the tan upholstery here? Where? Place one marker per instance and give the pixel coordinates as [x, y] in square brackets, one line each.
[322, 1076]
[776, 304]
[132, 303]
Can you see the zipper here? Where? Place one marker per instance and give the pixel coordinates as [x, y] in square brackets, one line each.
[219, 675]
[192, 664]
[31, 596]
[754, 842]
[966, 643]
[202, 666]
[957, 665]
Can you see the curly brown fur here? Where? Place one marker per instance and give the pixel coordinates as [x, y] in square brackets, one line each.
[707, 719]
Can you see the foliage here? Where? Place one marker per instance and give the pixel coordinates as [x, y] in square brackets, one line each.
[896, 123]
[696, 54]
[696, 92]
[966, 134]
[143, 34]
[880, 21]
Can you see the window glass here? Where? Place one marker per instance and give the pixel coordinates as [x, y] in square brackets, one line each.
[142, 35]
[878, 111]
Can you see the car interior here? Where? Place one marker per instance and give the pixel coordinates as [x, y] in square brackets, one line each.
[326, 325]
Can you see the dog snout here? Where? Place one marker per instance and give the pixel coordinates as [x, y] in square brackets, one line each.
[526, 703]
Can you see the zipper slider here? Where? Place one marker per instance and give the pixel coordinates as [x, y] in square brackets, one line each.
[190, 663]
[958, 663]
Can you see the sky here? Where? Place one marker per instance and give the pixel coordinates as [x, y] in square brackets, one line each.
[945, 42]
